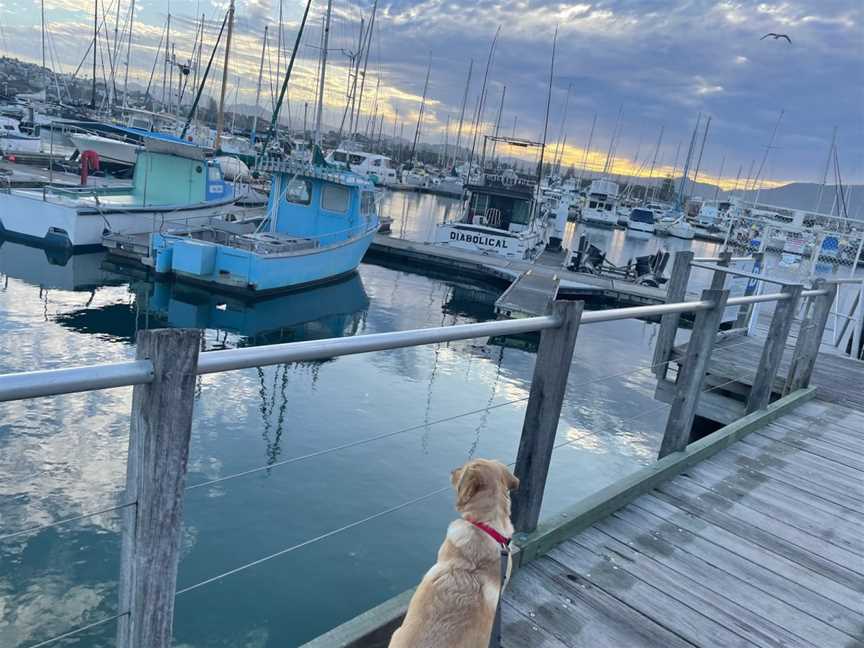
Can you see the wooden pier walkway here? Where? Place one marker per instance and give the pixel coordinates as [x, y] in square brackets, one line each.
[760, 545]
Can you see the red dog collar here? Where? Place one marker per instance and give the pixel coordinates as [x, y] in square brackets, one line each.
[492, 533]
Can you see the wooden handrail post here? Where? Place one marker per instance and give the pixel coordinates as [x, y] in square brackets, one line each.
[691, 374]
[554, 356]
[810, 337]
[155, 478]
[676, 291]
[718, 281]
[772, 351]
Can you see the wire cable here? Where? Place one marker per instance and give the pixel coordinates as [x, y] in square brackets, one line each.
[72, 633]
[62, 521]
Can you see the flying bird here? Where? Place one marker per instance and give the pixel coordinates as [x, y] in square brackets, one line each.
[777, 36]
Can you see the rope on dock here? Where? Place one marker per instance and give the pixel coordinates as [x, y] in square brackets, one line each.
[72, 633]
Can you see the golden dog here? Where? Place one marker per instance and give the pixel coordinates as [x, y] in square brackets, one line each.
[454, 605]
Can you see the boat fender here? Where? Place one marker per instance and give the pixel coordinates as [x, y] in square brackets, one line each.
[89, 162]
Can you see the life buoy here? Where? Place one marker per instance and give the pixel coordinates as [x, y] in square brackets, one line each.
[89, 162]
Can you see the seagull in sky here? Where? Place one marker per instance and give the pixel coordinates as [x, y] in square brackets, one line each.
[777, 36]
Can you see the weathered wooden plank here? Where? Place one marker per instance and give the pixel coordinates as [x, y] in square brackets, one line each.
[521, 631]
[772, 351]
[676, 291]
[783, 476]
[688, 589]
[763, 529]
[159, 437]
[645, 585]
[819, 583]
[820, 434]
[372, 629]
[798, 467]
[814, 445]
[688, 386]
[591, 617]
[773, 597]
[845, 417]
[744, 481]
[805, 458]
[718, 279]
[540, 426]
[600, 504]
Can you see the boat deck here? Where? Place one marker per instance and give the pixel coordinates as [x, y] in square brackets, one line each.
[760, 545]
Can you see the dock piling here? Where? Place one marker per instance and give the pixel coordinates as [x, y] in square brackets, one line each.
[548, 385]
[772, 351]
[160, 431]
[676, 291]
[816, 311]
[691, 374]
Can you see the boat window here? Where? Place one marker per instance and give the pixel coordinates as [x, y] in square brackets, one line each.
[608, 206]
[592, 204]
[376, 163]
[214, 174]
[367, 202]
[357, 159]
[340, 156]
[521, 212]
[335, 198]
[642, 216]
[299, 191]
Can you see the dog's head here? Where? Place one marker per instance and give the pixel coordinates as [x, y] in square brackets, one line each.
[482, 478]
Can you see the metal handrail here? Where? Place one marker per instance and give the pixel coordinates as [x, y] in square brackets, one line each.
[51, 382]
[718, 259]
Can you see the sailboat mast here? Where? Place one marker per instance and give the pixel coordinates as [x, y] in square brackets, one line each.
[321, 77]
[95, 47]
[498, 121]
[765, 157]
[128, 55]
[462, 113]
[683, 186]
[355, 120]
[719, 177]
[258, 86]
[827, 166]
[587, 150]
[44, 76]
[654, 159]
[220, 116]
[422, 108]
[701, 150]
[548, 106]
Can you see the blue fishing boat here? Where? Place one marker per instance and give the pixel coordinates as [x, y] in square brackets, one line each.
[319, 223]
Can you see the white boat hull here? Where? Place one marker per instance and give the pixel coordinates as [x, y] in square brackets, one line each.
[637, 226]
[55, 225]
[596, 217]
[110, 150]
[20, 144]
[487, 240]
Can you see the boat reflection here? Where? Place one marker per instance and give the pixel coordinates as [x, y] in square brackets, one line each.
[56, 269]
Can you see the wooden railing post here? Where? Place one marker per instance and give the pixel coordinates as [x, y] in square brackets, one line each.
[691, 374]
[540, 426]
[155, 478]
[810, 337]
[676, 291]
[718, 281]
[772, 351]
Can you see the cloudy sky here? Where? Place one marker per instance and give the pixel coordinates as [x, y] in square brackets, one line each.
[660, 62]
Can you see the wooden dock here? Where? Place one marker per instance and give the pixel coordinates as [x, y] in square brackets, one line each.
[760, 545]
[457, 263]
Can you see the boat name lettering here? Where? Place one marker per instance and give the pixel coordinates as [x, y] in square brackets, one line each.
[477, 239]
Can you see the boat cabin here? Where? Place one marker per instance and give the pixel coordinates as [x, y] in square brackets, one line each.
[173, 173]
[504, 201]
[380, 169]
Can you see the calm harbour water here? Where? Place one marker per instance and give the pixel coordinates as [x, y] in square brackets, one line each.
[65, 456]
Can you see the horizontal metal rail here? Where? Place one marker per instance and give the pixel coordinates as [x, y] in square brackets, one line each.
[740, 273]
[718, 259]
[35, 384]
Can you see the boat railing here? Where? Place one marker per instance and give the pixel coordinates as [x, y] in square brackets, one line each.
[164, 380]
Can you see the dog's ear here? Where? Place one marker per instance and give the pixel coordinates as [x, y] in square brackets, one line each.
[469, 484]
[511, 480]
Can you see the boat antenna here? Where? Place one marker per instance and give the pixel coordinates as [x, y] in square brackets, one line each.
[480, 101]
[274, 119]
[321, 78]
[203, 80]
[220, 116]
[548, 105]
